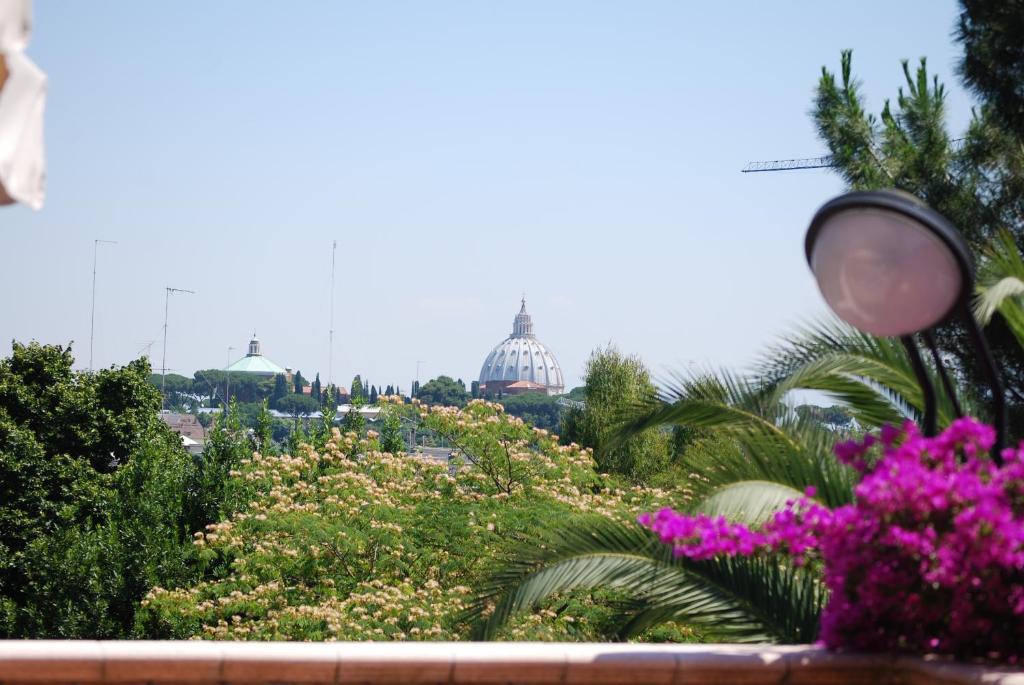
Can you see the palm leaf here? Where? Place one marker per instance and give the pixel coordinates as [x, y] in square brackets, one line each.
[741, 599]
[751, 502]
[1001, 284]
[776, 445]
[870, 375]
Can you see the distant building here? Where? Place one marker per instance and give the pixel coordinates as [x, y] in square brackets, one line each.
[193, 434]
[256, 364]
[370, 413]
[521, 363]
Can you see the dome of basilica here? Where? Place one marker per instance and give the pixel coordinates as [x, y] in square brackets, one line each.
[521, 363]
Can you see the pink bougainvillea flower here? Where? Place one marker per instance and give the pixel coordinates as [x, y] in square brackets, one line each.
[928, 558]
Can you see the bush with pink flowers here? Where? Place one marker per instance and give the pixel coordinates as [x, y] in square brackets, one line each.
[928, 558]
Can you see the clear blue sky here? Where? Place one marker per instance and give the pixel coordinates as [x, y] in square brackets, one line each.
[461, 153]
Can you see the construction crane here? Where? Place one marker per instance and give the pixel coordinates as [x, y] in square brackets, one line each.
[809, 162]
[790, 164]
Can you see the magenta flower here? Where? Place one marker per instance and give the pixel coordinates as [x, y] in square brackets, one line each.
[928, 558]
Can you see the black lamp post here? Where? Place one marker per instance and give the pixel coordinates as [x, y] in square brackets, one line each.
[889, 265]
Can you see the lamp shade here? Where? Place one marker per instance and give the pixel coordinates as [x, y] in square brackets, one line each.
[887, 264]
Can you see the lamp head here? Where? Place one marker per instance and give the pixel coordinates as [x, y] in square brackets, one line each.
[886, 263]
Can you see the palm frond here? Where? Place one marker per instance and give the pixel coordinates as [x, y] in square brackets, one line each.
[1001, 284]
[741, 599]
[751, 502]
[870, 375]
[775, 444]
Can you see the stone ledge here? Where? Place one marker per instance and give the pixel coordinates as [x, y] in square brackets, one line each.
[468, 663]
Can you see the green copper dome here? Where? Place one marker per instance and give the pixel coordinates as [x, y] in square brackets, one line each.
[256, 363]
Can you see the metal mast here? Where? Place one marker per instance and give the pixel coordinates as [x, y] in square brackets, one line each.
[227, 387]
[92, 317]
[330, 351]
[163, 363]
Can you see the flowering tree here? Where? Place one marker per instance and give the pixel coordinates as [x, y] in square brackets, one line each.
[349, 542]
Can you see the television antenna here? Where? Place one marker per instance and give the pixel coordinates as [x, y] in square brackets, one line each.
[92, 316]
[330, 350]
[163, 362]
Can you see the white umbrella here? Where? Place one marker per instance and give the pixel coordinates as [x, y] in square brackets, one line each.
[22, 99]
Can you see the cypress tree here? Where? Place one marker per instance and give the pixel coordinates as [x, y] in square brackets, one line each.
[315, 391]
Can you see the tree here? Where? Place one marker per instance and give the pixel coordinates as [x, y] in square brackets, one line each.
[373, 394]
[95, 491]
[391, 430]
[993, 63]
[263, 433]
[977, 182]
[298, 405]
[280, 390]
[444, 391]
[536, 408]
[474, 389]
[835, 416]
[356, 391]
[316, 389]
[299, 382]
[354, 421]
[178, 388]
[615, 385]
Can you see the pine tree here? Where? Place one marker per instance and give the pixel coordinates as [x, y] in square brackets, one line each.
[975, 177]
[356, 391]
[474, 389]
[991, 32]
[300, 382]
[373, 394]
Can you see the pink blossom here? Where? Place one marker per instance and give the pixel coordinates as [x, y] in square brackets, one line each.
[928, 558]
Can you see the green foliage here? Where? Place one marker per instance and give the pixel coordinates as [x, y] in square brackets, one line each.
[298, 405]
[615, 386]
[391, 429]
[299, 382]
[227, 443]
[736, 600]
[245, 387]
[263, 431]
[280, 390]
[316, 390]
[444, 391]
[536, 408]
[977, 180]
[178, 387]
[993, 62]
[353, 421]
[356, 391]
[95, 493]
[835, 416]
[353, 543]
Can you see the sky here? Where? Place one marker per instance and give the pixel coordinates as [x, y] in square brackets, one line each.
[462, 154]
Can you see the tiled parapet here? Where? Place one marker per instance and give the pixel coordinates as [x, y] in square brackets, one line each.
[252, 663]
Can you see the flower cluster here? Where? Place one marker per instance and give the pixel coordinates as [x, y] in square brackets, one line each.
[928, 558]
[347, 542]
